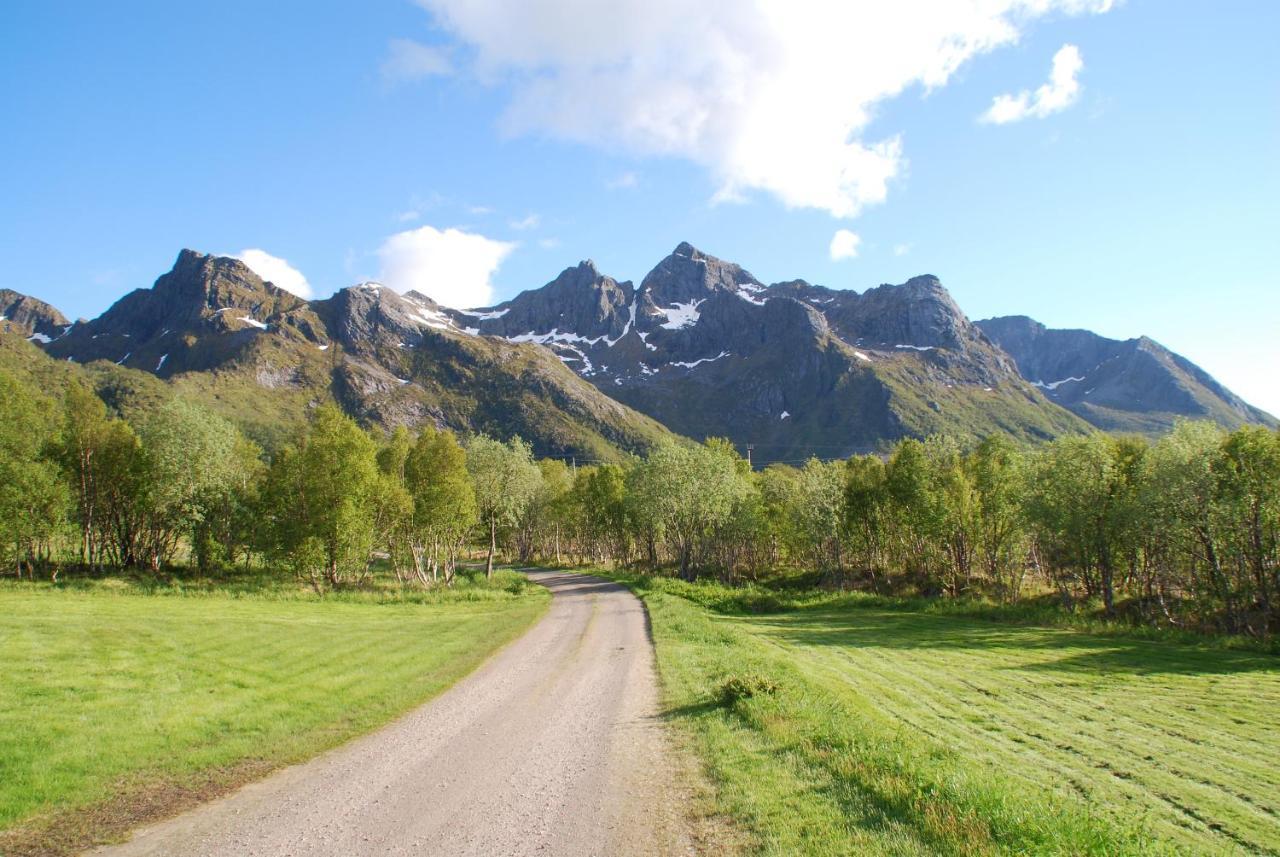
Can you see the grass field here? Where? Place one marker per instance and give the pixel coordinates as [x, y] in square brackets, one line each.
[894, 731]
[117, 707]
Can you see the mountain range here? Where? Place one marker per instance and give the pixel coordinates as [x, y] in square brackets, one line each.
[594, 367]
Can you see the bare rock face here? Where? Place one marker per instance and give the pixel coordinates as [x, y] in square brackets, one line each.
[216, 328]
[590, 364]
[707, 349]
[1131, 385]
[581, 301]
[206, 311]
[688, 274]
[31, 318]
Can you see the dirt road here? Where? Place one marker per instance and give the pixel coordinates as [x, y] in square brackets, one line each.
[551, 747]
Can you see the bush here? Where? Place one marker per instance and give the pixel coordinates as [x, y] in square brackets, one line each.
[738, 687]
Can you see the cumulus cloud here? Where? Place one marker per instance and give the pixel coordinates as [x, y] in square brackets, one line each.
[277, 271]
[1058, 94]
[769, 95]
[407, 60]
[844, 245]
[451, 266]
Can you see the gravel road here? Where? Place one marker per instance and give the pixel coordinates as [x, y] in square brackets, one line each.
[552, 747]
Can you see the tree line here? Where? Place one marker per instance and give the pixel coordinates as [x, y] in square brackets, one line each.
[1181, 531]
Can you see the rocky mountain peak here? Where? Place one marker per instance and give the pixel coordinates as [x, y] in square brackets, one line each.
[212, 281]
[415, 296]
[688, 274]
[173, 325]
[32, 318]
[581, 302]
[919, 313]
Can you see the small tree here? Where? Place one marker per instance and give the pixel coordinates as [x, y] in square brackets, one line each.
[192, 461]
[321, 502]
[33, 498]
[444, 502]
[818, 514]
[684, 492]
[505, 479]
[866, 500]
[999, 478]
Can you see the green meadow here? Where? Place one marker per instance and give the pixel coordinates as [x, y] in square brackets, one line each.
[120, 702]
[844, 727]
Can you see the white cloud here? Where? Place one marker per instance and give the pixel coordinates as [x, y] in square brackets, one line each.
[410, 214]
[844, 245]
[901, 249]
[528, 222]
[451, 266]
[407, 60]
[1058, 94]
[277, 271]
[549, 243]
[769, 95]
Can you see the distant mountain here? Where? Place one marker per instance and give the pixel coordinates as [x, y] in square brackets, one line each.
[592, 366]
[33, 319]
[1126, 385]
[265, 357]
[705, 348]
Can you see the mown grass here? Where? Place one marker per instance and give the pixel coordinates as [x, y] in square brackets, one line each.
[115, 694]
[879, 729]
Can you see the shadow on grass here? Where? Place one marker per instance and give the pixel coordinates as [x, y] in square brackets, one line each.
[1081, 651]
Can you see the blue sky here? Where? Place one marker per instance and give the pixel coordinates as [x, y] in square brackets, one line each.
[503, 142]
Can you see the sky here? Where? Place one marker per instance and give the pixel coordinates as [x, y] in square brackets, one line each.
[1105, 164]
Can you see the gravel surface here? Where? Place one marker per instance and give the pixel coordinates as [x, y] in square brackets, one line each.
[552, 747]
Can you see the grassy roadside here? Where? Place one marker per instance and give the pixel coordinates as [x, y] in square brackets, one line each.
[122, 702]
[860, 729]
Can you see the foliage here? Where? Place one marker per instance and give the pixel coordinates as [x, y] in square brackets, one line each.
[505, 479]
[33, 499]
[320, 502]
[444, 503]
[1183, 532]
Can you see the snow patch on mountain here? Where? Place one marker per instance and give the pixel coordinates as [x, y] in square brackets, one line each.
[485, 315]
[703, 360]
[681, 315]
[1053, 385]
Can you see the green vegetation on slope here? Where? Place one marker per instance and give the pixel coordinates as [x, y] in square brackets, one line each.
[865, 730]
[131, 700]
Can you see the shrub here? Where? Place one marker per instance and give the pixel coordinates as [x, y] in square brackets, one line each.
[738, 687]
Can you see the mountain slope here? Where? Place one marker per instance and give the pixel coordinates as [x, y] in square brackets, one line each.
[592, 366]
[32, 318]
[708, 350]
[1127, 385]
[265, 357]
